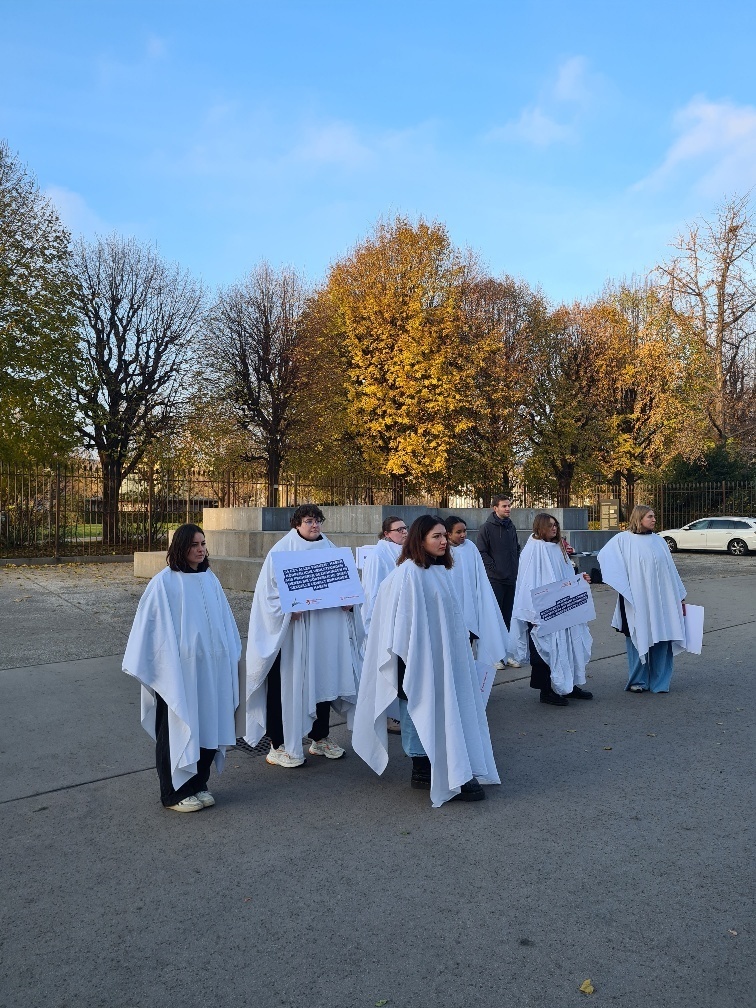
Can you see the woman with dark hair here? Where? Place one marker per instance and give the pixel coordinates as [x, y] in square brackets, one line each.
[483, 619]
[650, 608]
[184, 648]
[418, 649]
[557, 660]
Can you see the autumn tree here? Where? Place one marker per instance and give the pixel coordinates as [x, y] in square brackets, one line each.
[139, 318]
[38, 334]
[253, 332]
[398, 322]
[711, 287]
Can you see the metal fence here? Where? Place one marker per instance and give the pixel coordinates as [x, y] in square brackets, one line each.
[58, 511]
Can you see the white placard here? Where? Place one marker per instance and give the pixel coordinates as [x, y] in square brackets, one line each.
[562, 604]
[694, 620]
[317, 579]
[362, 555]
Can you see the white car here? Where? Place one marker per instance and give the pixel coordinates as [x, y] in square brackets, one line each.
[736, 535]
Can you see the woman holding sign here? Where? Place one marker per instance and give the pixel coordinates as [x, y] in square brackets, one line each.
[418, 649]
[650, 608]
[558, 659]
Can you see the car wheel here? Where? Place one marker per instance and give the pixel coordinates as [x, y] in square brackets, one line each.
[672, 544]
[737, 547]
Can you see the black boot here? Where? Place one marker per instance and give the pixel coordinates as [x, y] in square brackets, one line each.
[580, 694]
[472, 791]
[421, 773]
[549, 696]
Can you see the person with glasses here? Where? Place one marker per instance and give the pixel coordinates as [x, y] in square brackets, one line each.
[299, 665]
[379, 563]
[557, 660]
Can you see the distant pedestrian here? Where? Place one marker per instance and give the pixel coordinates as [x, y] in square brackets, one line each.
[500, 550]
[184, 649]
[650, 609]
[557, 660]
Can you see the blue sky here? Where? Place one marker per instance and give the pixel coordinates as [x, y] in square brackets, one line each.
[565, 143]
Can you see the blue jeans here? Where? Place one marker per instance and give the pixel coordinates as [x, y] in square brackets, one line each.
[656, 674]
[410, 739]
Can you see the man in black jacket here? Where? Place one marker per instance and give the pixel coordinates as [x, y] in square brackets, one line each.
[500, 550]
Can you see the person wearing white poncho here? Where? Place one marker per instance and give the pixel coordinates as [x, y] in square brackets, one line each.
[557, 660]
[299, 665]
[483, 618]
[418, 649]
[650, 610]
[184, 648]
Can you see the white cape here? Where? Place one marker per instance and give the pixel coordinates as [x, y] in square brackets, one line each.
[566, 652]
[642, 570]
[480, 608]
[379, 563]
[184, 646]
[417, 618]
[319, 655]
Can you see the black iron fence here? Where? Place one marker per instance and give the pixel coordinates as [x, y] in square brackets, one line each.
[59, 511]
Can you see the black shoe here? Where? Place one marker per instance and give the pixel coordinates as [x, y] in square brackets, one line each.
[421, 773]
[549, 696]
[580, 694]
[472, 791]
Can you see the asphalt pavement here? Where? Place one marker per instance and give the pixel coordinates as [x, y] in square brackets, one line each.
[618, 848]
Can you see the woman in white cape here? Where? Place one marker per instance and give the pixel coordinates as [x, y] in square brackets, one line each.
[482, 614]
[184, 648]
[418, 649]
[557, 660]
[299, 665]
[650, 609]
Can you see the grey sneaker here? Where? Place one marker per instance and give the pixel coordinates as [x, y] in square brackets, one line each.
[326, 748]
[190, 804]
[206, 798]
[279, 757]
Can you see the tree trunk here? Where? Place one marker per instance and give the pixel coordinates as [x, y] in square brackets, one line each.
[564, 484]
[397, 490]
[112, 479]
[274, 474]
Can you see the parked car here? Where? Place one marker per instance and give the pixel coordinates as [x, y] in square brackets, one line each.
[736, 535]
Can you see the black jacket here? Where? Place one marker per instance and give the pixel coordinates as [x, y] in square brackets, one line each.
[499, 548]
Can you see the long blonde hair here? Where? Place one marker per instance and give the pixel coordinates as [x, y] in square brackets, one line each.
[637, 515]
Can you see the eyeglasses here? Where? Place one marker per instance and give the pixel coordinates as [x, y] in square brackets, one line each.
[400, 528]
[313, 521]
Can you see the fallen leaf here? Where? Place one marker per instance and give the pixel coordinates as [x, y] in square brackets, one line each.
[570, 731]
[586, 987]
[247, 899]
[730, 931]
[719, 722]
[380, 1004]
[650, 735]
[607, 748]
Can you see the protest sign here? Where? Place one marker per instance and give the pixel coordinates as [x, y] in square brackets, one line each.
[562, 604]
[694, 622]
[317, 579]
[362, 555]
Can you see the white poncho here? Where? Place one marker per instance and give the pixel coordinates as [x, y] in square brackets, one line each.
[417, 618]
[566, 652]
[319, 655]
[184, 646]
[481, 610]
[379, 563]
[641, 569]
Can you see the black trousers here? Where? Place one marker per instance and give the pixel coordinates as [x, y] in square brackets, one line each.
[274, 714]
[540, 673]
[505, 597]
[169, 796]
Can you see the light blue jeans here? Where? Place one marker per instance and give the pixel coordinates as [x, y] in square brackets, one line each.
[410, 739]
[656, 674]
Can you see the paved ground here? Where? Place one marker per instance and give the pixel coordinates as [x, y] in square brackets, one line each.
[617, 847]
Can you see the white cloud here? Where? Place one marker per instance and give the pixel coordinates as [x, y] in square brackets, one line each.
[155, 47]
[75, 213]
[715, 151]
[334, 143]
[555, 117]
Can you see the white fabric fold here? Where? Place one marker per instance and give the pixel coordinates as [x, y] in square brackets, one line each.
[184, 646]
[481, 610]
[379, 563]
[640, 568]
[566, 652]
[320, 657]
[417, 618]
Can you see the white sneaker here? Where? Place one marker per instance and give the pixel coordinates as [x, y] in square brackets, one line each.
[500, 665]
[206, 798]
[279, 757]
[513, 663]
[190, 804]
[326, 748]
